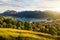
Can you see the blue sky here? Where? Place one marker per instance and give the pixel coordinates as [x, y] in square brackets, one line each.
[20, 5]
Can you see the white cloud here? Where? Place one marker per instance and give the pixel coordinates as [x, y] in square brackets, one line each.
[29, 4]
[10, 3]
[5, 0]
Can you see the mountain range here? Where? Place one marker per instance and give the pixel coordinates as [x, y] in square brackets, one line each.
[32, 14]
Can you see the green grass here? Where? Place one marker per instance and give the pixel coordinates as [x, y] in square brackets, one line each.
[15, 34]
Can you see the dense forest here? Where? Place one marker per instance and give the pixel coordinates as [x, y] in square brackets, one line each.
[45, 27]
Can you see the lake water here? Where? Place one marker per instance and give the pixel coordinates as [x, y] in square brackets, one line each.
[32, 19]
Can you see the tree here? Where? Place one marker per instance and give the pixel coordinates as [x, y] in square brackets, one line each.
[53, 30]
[28, 26]
[42, 28]
[20, 24]
[1, 26]
[4, 24]
[9, 25]
[14, 26]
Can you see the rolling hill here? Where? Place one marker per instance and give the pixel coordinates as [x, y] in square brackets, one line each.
[14, 34]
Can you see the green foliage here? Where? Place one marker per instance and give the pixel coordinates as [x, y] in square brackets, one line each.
[42, 28]
[28, 26]
[9, 26]
[52, 30]
[9, 22]
[14, 26]
[1, 26]
[4, 24]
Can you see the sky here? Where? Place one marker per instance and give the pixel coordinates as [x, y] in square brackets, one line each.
[22, 5]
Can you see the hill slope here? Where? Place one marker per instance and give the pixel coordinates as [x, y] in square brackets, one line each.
[14, 34]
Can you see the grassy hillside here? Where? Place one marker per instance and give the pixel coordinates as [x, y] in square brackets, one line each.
[14, 34]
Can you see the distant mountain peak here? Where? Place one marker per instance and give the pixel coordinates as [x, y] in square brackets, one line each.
[11, 12]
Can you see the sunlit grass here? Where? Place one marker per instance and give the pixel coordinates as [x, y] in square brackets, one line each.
[15, 34]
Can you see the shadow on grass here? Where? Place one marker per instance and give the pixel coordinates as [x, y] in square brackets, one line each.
[23, 38]
[1, 38]
[26, 38]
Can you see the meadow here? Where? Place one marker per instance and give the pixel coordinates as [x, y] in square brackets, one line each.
[15, 34]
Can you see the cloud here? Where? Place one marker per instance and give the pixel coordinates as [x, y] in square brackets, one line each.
[10, 2]
[5, 0]
[29, 4]
[10, 5]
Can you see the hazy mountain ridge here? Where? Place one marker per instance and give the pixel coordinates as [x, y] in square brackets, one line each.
[32, 14]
